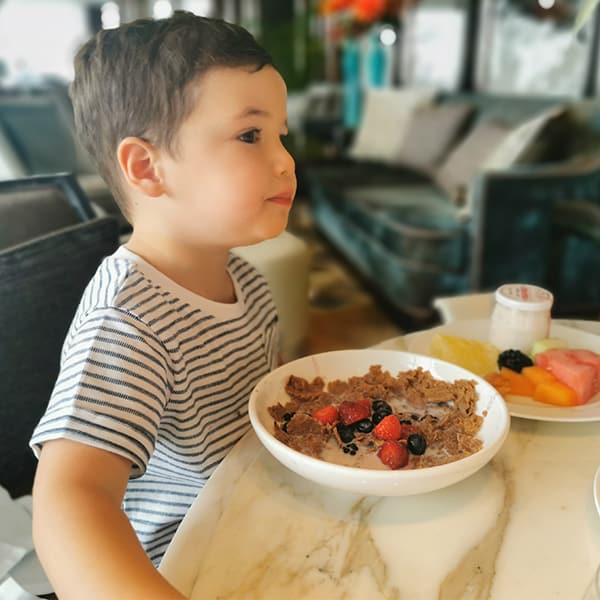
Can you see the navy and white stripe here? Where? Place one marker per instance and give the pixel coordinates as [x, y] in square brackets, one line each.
[162, 377]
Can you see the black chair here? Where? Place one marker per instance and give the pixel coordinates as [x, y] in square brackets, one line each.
[34, 206]
[42, 281]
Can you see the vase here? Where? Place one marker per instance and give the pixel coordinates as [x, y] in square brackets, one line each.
[351, 82]
[375, 61]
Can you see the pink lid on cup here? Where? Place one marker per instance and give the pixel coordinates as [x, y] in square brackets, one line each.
[524, 297]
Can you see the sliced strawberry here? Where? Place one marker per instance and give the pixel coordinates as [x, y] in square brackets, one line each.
[327, 415]
[408, 430]
[351, 412]
[389, 428]
[393, 454]
[365, 402]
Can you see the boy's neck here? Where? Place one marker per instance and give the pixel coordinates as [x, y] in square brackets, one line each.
[202, 271]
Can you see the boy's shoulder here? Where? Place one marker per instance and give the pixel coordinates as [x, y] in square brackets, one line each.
[119, 284]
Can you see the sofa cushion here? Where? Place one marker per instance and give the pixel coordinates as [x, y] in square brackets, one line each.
[415, 221]
[469, 157]
[387, 115]
[430, 133]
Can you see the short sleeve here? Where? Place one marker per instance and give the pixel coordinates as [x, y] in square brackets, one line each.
[112, 387]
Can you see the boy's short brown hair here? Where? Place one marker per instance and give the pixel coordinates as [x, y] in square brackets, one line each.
[134, 80]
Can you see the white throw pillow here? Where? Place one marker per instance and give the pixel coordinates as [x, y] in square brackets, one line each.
[385, 121]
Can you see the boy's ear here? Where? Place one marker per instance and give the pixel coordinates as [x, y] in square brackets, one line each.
[138, 161]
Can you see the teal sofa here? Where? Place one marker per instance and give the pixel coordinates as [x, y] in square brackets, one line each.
[537, 221]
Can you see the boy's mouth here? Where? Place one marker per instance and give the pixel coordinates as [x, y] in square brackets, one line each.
[283, 199]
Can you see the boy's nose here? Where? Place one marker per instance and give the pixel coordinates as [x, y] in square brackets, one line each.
[284, 164]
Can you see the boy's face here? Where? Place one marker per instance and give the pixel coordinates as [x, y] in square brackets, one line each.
[231, 182]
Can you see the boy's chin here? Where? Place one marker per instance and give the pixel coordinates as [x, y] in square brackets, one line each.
[270, 231]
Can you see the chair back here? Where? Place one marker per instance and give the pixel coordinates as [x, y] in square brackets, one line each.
[41, 283]
[34, 206]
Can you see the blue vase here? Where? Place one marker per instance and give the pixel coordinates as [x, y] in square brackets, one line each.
[376, 62]
[351, 82]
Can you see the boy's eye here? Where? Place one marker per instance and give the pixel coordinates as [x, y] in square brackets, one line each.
[250, 137]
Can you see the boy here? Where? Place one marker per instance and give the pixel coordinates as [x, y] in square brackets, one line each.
[184, 118]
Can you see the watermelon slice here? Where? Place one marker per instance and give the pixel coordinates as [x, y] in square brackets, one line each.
[577, 369]
[587, 356]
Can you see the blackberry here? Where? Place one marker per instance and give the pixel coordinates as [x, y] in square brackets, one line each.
[515, 360]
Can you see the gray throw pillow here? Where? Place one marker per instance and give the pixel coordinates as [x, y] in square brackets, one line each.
[468, 158]
[432, 131]
[42, 283]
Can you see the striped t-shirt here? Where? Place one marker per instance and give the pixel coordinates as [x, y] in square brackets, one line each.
[161, 376]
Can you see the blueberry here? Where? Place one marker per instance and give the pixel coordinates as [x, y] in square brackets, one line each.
[345, 432]
[381, 406]
[378, 416]
[416, 443]
[364, 426]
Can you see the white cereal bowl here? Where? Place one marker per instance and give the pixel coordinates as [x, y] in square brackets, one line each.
[343, 364]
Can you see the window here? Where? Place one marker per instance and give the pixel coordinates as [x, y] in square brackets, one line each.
[529, 48]
[433, 44]
[40, 38]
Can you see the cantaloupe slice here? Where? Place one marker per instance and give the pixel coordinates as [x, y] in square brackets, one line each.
[534, 382]
[538, 375]
[501, 384]
[555, 393]
[519, 384]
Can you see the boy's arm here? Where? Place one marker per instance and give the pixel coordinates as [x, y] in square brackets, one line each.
[83, 539]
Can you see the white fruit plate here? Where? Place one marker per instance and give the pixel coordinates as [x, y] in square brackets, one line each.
[518, 406]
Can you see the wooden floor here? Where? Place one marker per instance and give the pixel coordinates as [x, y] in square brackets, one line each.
[343, 314]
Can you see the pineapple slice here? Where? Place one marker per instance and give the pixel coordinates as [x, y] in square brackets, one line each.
[478, 357]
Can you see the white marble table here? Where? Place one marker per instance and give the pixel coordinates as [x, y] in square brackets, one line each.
[524, 527]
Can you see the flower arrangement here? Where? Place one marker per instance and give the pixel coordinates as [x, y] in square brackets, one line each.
[352, 17]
